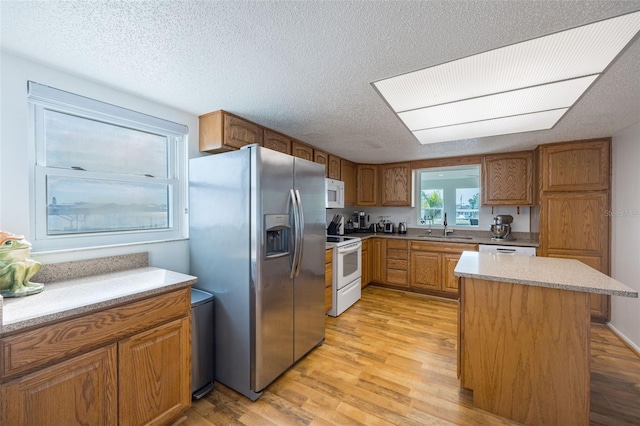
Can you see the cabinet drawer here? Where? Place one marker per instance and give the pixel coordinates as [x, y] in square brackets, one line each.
[398, 277]
[397, 244]
[397, 264]
[46, 345]
[442, 248]
[397, 254]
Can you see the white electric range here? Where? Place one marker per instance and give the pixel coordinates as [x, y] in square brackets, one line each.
[347, 269]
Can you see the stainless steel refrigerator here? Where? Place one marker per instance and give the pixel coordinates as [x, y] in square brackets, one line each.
[257, 242]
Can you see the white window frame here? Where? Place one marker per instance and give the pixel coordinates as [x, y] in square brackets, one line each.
[41, 98]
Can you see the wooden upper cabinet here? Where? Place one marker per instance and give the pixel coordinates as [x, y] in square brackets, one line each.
[396, 184]
[367, 183]
[300, 150]
[507, 179]
[276, 141]
[333, 169]
[348, 174]
[322, 157]
[221, 131]
[576, 166]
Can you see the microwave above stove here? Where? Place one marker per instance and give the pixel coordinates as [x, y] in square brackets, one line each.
[334, 194]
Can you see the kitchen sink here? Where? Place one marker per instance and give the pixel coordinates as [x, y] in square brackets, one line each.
[448, 237]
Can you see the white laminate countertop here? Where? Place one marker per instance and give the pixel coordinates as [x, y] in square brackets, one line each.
[64, 299]
[564, 274]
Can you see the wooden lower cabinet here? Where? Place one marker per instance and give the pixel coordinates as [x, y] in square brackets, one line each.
[82, 390]
[425, 270]
[398, 262]
[365, 279]
[432, 265]
[415, 265]
[328, 279]
[127, 365]
[152, 391]
[378, 257]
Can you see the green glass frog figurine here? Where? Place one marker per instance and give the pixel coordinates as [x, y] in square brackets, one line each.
[16, 269]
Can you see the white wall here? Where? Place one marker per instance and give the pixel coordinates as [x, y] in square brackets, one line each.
[625, 227]
[15, 150]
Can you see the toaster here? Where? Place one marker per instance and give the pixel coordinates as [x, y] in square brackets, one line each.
[388, 228]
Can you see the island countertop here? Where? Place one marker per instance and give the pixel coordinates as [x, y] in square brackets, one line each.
[563, 274]
[65, 299]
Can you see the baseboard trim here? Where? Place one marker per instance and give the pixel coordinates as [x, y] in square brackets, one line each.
[628, 343]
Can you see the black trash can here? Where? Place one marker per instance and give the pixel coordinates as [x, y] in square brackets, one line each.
[202, 343]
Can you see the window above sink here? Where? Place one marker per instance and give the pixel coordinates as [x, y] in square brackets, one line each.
[451, 190]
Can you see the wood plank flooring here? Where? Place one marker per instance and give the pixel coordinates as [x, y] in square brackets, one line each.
[391, 360]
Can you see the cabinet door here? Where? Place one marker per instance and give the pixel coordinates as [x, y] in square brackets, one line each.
[300, 150]
[507, 179]
[276, 142]
[333, 169]
[576, 166]
[365, 279]
[396, 184]
[348, 174]
[449, 280]
[239, 132]
[81, 390]
[328, 279]
[367, 185]
[576, 223]
[378, 260]
[322, 157]
[155, 374]
[425, 270]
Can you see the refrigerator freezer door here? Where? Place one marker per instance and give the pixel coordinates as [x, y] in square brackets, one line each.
[273, 293]
[309, 315]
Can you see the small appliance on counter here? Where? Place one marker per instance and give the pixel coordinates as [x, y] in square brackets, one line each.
[348, 227]
[402, 228]
[363, 219]
[388, 228]
[501, 228]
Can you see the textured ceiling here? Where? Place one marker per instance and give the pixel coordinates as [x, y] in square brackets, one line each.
[304, 68]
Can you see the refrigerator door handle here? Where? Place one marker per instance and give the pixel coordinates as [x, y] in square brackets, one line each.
[300, 231]
[296, 226]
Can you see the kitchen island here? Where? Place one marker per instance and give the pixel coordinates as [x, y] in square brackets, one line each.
[524, 335]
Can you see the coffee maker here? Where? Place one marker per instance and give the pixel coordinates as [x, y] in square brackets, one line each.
[501, 228]
[363, 221]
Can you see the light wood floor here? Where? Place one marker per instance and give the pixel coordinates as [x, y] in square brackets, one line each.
[391, 359]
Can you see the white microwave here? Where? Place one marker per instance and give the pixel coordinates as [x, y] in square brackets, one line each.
[334, 194]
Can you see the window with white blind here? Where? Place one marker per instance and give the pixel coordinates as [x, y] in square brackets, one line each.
[104, 175]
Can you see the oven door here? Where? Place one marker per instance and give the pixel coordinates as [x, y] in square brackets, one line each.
[348, 263]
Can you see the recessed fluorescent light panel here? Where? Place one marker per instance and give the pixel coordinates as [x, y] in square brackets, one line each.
[518, 88]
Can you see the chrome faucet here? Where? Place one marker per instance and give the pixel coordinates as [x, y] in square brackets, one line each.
[446, 231]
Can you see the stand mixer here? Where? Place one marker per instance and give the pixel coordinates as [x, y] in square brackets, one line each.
[501, 228]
